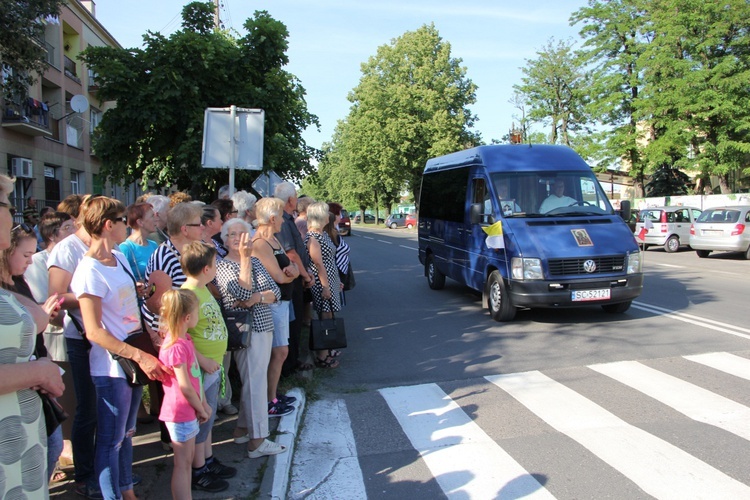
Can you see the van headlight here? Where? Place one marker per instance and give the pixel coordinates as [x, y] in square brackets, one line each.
[526, 269]
[634, 263]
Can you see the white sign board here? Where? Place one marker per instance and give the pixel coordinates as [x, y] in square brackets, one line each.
[234, 143]
[266, 183]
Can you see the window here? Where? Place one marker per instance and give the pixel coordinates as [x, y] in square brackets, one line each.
[76, 182]
[95, 119]
[443, 194]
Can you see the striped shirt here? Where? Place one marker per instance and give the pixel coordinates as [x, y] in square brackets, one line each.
[166, 258]
[227, 279]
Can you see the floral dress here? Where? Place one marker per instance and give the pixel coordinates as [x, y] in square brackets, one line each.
[328, 253]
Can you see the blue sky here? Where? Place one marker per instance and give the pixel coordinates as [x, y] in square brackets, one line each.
[329, 39]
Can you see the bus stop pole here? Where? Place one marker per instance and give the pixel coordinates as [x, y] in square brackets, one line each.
[233, 160]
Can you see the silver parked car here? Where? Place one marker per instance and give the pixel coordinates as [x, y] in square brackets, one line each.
[671, 226]
[722, 228]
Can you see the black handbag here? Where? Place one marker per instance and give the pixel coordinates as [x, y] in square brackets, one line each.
[133, 371]
[348, 278]
[239, 327]
[327, 334]
[54, 413]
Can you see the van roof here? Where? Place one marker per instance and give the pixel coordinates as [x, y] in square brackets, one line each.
[512, 157]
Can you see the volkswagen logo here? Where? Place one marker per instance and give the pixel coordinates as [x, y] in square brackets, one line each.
[589, 266]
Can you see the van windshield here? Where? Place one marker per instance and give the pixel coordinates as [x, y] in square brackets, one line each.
[549, 194]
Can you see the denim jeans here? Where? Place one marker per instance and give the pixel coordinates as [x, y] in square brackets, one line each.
[54, 449]
[84, 423]
[117, 409]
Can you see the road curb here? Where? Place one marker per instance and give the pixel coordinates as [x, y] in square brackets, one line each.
[275, 481]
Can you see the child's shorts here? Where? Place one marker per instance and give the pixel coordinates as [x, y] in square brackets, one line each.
[181, 432]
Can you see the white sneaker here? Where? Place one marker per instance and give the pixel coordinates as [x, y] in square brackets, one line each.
[242, 439]
[266, 448]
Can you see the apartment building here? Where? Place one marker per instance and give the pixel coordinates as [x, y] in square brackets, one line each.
[45, 139]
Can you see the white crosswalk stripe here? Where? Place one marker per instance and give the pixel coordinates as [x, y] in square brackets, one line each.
[449, 441]
[695, 402]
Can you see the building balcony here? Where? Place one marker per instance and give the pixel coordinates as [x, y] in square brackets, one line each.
[69, 68]
[30, 118]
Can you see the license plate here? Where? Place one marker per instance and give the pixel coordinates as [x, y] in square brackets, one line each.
[584, 295]
[712, 232]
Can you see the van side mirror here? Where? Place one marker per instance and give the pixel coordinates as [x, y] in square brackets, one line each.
[475, 213]
[625, 210]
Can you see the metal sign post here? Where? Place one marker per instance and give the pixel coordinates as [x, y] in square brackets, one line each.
[233, 138]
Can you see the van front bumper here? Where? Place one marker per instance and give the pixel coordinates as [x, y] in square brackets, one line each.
[559, 293]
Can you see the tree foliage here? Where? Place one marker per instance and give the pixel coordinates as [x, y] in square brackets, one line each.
[22, 41]
[696, 94]
[411, 104]
[667, 181]
[155, 132]
[554, 86]
[614, 41]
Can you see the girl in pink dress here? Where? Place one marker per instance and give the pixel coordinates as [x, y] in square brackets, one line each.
[184, 405]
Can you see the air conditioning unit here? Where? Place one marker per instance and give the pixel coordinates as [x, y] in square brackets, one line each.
[22, 168]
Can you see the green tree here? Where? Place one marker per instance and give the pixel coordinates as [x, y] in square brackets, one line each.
[411, 104]
[554, 88]
[697, 69]
[155, 132]
[614, 41]
[22, 42]
[667, 181]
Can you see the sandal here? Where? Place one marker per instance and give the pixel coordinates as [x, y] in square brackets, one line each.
[334, 353]
[58, 475]
[328, 362]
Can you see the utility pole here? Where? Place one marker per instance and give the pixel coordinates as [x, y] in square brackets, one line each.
[217, 21]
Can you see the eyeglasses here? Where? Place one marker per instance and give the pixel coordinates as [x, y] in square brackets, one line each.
[195, 225]
[123, 219]
[3, 204]
[237, 234]
[234, 212]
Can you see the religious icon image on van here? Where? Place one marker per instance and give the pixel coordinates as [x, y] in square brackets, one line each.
[582, 238]
[507, 206]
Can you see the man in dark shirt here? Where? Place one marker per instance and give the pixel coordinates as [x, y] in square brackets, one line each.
[30, 213]
[291, 240]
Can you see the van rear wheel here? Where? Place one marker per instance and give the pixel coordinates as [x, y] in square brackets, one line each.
[498, 300]
[435, 278]
[617, 308]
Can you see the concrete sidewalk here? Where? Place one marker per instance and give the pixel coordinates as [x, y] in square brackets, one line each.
[266, 477]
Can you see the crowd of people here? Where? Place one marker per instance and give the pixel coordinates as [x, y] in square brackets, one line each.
[120, 291]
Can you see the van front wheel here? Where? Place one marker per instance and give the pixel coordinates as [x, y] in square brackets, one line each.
[435, 278]
[617, 308]
[498, 300]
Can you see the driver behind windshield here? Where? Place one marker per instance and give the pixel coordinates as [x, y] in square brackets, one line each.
[557, 199]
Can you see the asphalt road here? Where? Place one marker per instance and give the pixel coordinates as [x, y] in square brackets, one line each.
[401, 332]
[433, 399]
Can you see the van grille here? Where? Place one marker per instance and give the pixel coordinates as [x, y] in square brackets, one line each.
[604, 265]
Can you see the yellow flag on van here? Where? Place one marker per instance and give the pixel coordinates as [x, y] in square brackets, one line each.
[494, 235]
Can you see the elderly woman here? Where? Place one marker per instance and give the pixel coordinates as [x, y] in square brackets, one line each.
[283, 271]
[139, 247]
[160, 204]
[107, 296]
[245, 284]
[327, 285]
[244, 203]
[20, 378]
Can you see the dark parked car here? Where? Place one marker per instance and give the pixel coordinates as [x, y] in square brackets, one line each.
[345, 224]
[369, 219]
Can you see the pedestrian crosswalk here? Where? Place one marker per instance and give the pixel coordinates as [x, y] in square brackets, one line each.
[671, 428]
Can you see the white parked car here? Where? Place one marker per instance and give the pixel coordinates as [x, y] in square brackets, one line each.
[722, 228]
[671, 226]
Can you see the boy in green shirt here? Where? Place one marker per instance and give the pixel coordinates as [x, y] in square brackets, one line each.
[209, 336]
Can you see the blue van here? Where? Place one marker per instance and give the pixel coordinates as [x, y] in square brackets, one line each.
[564, 245]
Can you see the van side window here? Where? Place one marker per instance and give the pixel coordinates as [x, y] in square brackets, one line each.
[480, 194]
[443, 194]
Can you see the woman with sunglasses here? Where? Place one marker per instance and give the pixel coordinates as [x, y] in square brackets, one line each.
[24, 470]
[106, 293]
